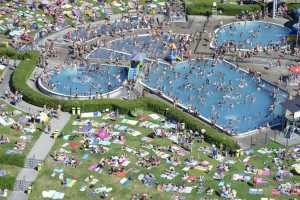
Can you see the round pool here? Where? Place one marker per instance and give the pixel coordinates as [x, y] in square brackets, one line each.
[84, 81]
[249, 34]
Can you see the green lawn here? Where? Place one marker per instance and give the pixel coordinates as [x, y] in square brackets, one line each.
[46, 182]
[12, 163]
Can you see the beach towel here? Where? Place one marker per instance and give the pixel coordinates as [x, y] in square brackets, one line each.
[52, 194]
[130, 122]
[275, 192]
[134, 133]
[90, 114]
[260, 181]
[255, 191]
[70, 182]
[124, 181]
[264, 172]
[2, 173]
[104, 143]
[120, 174]
[85, 156]
[154, 116]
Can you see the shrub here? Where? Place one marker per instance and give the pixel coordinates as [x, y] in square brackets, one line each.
[7, 182]
[235, 9]
[13, 159]
[204, 7]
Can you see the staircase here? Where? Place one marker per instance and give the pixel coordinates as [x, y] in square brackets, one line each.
[32, 163]
[21, 185]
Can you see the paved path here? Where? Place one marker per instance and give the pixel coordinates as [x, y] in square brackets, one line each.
[40, 149]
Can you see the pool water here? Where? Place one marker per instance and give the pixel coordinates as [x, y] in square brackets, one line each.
[150, 46]
[249, 34]
[86, 81]
[222, 94]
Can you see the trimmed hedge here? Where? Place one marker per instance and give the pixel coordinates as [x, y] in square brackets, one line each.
[12, 53]
[7, 182]
[293, 5]
[13, 159]
[235, 9]
[204, 7]
[26, 67]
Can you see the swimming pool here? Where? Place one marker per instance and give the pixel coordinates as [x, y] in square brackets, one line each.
[85, 80]
[248, 34]
[222, 94]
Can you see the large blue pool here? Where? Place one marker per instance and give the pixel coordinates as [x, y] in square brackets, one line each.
[86, 81]
[249, 34]
[223, 94]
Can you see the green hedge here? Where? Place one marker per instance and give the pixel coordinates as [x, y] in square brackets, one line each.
[293, 5]
[7, 182]
[12, 53]
[204, 7]
[26, 67]
[13, 159]
[235, 9]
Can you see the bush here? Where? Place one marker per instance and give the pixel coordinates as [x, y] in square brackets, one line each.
[13, 159]
[235, 9]
[292, 6]
[7, 182]
[204, 7]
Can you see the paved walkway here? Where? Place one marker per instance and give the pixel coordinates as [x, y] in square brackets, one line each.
[41, 148]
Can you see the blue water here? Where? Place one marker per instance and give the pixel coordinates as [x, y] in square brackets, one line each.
[84, 81]
[242, 34]
[150, 46]
[223, 94]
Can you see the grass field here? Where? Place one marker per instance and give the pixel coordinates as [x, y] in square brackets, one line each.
[46, 182]
[12, 163]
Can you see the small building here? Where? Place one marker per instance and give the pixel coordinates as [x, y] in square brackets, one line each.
[292, 116]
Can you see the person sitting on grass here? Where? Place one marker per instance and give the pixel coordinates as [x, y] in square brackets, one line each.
[4, 140]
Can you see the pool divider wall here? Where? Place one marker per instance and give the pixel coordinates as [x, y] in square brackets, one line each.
[18, 82]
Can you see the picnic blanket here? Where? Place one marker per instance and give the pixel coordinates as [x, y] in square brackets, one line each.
[264, 172]
[2, 173]
[155, 116]
[53, 194]
[255, 191]
[6, 121]
[130, 122]
[70, 182]
[90, 114]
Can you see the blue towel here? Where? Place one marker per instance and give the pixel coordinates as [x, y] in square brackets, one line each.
[85, 156]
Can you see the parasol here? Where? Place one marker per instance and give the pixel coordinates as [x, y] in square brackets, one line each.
[102, 134]
[295, 69]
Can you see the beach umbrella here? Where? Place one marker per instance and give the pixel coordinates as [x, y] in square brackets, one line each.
[102, 134]
[295, 69]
